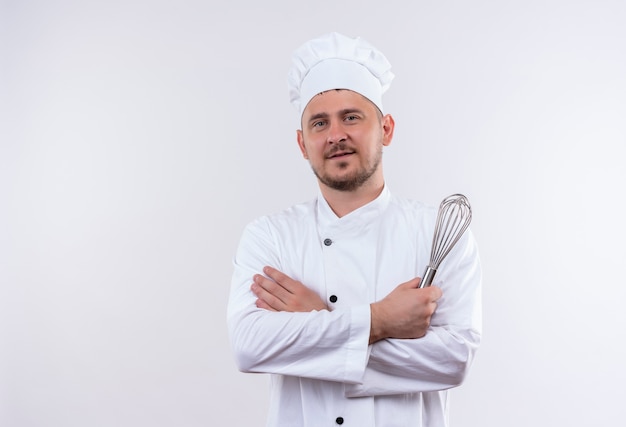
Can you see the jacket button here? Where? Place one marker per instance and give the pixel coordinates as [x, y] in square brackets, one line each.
[333, 298]
[328, 242]
[339, 420]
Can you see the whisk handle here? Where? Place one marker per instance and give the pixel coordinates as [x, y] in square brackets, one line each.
[427, 277]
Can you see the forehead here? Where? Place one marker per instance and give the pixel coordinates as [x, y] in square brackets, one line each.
[336, 100]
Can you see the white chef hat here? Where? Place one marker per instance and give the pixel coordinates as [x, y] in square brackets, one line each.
[334, 61]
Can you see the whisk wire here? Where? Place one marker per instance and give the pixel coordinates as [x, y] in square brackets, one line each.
[453, 218]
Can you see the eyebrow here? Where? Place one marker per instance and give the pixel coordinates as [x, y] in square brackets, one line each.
[351, 110]
[340, 113]
[318, 116]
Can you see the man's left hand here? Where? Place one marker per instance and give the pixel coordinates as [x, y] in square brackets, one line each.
[279, 292]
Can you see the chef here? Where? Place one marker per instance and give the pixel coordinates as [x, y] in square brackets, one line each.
[325, 296]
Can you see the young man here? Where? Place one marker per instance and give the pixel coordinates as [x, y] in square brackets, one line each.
[325, 294]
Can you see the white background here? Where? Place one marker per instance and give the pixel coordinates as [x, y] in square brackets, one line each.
[137, 138]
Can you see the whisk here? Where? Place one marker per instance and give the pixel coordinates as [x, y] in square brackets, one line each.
[453, 218]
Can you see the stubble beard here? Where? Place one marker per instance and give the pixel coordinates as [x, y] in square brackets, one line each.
[353, 181]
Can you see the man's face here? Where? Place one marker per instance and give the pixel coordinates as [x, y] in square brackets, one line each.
[342, 136]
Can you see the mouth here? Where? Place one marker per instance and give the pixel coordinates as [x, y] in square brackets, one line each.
[339, 154]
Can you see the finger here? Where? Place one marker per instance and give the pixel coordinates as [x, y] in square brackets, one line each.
[262, 304]
[269, 291]
[265, 298]
[436, 293]
[272, 287]
[411, 284]
[415, 283]
[279, 277]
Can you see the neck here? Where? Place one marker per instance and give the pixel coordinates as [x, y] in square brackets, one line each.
[344, 202]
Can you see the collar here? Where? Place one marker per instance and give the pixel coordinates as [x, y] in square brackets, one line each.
[328, 221]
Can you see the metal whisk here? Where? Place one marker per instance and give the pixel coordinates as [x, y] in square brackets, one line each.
[453, 218]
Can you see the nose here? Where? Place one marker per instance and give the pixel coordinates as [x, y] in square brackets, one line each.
[336, 132]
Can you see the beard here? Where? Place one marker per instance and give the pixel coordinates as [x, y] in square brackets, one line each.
[354, 180]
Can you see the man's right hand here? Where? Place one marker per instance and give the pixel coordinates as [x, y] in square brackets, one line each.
[404, 313]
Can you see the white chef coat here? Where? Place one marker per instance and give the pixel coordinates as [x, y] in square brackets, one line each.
[324, 373]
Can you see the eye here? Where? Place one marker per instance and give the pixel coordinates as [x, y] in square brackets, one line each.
[351, 118]
[318, 123]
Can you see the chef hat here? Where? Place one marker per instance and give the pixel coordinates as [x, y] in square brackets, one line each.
[335, 61]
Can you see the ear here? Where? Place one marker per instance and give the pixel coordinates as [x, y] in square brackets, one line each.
[301, 144]
[388, 126]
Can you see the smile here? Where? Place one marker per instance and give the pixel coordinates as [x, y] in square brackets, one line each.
[340, 154]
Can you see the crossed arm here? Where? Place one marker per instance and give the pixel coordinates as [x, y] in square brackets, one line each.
[404, 313]
[279, 325]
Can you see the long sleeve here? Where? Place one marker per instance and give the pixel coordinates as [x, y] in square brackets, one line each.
[441, 358]
[321, 345]
[321, 364]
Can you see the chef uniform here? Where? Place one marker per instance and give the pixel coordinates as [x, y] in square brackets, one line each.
[324, 373]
